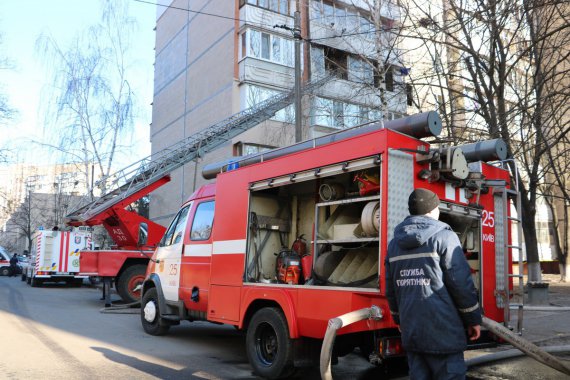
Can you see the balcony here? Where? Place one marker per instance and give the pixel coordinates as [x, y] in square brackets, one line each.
[263, 18]
[253, 70]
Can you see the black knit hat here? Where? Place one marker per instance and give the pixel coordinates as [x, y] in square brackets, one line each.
[422, 201]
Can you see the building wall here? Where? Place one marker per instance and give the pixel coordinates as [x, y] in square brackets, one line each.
[18, 180]
[208, 68]
[193, 86]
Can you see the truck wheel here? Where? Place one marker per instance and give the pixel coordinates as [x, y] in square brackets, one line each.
[35, 282]
[129, 280]
[4, 271]
[150, 314]
[23, 277]
[28, 280]
[269, 348]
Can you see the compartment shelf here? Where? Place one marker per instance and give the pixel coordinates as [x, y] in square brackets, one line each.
[348, 240]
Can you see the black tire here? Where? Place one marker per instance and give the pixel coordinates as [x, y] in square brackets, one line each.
[35, 282]
[129, 279]
[269, 348]
[5, 271]
[28, 280]
[23, 277]
[150, 314]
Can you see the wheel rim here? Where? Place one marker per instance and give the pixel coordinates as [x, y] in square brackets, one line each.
[132, 285]
[266, 344]
[149, 311]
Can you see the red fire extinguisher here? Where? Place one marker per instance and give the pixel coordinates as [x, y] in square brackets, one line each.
[300, 247]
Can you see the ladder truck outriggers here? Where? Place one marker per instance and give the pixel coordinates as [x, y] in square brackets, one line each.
[284, 241]
[135, 237]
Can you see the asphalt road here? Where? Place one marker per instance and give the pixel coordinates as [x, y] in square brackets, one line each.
[57, 332]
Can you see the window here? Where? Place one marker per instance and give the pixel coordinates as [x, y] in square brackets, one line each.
[336, 62]
[317, 62]
[352, 116]
[256, 95]
[175, 231]
[342, 18]
[279, 6]
[409, 94]
[244, 149]
[336, 114]
[265, 45]
[389, 78]
[268, 47]
[203, 220]
[327, 17]
[366, 28]
[360, 71]
[341, 64]
[322, 112]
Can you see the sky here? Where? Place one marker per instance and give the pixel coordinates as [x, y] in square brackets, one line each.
[21, 23]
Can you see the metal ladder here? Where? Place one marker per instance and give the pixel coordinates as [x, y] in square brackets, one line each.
[139, 175]
[513, 194]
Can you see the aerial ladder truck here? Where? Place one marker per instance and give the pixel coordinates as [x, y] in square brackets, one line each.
[135, 236]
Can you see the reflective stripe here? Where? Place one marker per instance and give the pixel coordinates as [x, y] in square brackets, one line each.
[394, 313]
[198, 250]
[413, 256]
[229, 247]
[470, 309]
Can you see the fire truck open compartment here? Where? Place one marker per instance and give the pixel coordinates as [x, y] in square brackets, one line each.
[335, 208]
[466, 223]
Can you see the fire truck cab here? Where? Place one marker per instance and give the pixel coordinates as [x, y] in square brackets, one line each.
[286, 240]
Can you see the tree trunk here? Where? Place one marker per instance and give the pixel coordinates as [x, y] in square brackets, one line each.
[530, 240]
[564, 270]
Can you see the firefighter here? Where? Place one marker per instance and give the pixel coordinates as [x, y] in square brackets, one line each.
[430, 292]
[14, 265]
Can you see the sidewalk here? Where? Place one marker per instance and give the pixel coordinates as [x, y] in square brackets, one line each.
[550, 327]
[543, 328]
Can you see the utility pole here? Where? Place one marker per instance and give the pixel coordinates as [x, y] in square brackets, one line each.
[297, 37]
[298, 110]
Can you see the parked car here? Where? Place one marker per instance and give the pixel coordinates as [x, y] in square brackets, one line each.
[4, 262]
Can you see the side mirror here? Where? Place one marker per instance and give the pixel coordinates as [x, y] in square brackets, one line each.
[143, 234]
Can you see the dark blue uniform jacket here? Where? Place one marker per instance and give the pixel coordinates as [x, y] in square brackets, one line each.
[429, 287]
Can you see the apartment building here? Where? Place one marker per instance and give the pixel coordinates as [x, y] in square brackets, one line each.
[18, 180]
[216, 58]
[36, 196]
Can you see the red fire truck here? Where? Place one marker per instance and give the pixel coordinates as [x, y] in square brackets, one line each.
[285, 240]
[134, 236]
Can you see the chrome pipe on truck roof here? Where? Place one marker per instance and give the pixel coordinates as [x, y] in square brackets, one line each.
[427, 124]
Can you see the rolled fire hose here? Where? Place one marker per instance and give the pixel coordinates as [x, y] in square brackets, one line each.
[334, 325]
[525, 346]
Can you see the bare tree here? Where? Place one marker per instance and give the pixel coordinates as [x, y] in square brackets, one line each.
[93, 102]
[7, 113]
[357, 43]
[495, 72]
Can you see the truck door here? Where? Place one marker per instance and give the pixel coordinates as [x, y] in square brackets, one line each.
[195, 266]
[169, 254]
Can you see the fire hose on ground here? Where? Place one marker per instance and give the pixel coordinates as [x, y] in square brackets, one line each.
[525, 346]
[375, 312]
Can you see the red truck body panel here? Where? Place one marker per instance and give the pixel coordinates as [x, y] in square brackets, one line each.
[225, 295]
